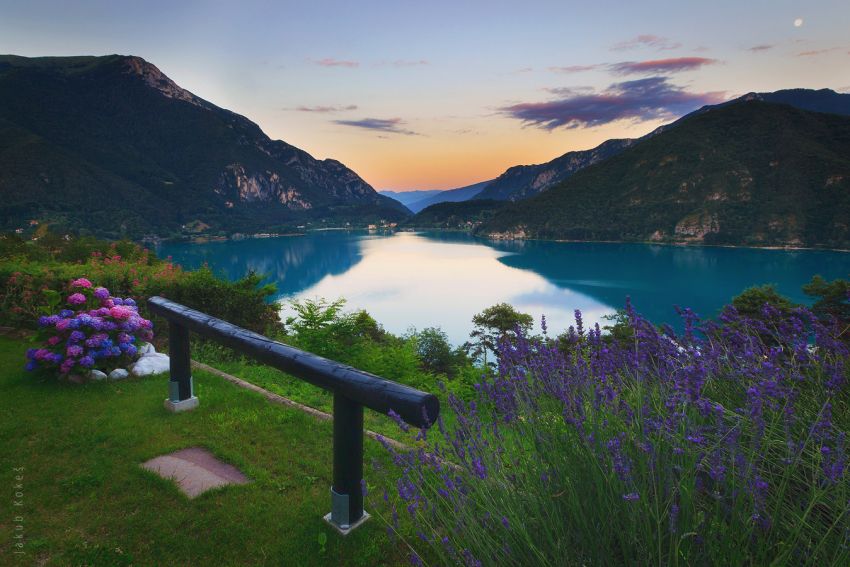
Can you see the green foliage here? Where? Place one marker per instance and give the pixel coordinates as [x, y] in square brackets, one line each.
[494, 324]
[242, 302]
[34, 277]
[832, 299]
[434, 350]
[752, 300]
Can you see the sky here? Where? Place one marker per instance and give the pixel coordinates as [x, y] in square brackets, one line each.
[438, 95]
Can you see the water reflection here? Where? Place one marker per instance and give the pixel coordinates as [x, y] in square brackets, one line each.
[443, 279]
[409, 280]
[293, 263]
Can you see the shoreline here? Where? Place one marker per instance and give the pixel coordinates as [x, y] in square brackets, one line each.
[679, 244]
[207, 240]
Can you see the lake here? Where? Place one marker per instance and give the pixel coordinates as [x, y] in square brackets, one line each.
[426, 279]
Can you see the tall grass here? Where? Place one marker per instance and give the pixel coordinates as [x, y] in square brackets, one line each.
[724, 445]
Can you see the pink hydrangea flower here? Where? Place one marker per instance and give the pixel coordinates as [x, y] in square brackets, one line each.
[76, 298]
[81, 282]
[62, 324]
[121, 312]
[53, 341]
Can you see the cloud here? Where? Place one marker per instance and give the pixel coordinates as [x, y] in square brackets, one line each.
[409, 63]
[574, 68]
[814, 52]
[640, 100]
[672, 65]
[324, 109]
[331, 62]
[392, 125]
[646, 40]
[761, 47]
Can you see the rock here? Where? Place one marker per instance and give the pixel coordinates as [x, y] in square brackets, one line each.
[118, 374]
[153, 363]
[146, 348]
[96, 375]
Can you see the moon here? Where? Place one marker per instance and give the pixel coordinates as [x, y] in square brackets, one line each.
[798, 22]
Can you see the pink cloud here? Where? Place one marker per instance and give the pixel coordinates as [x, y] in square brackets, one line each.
[646, 40]
[574, 68]
[814, 52]
[324, 109]
[671, 65]
[331, 62]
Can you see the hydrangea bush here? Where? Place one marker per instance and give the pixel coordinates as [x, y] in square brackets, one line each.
[94, 331]
[725, 444]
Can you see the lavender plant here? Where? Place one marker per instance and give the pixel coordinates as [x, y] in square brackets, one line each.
[724, 444]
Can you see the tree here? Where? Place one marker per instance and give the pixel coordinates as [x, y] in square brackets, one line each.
[434, 351]
[752, 300]
[832, 300]
[494, 324]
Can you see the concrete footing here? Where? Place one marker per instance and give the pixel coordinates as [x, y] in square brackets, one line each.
[347, 529]
[182, 405]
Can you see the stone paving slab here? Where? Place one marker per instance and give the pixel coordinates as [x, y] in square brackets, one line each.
[195, 470]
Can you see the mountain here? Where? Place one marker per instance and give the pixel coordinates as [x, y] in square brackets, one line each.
[461, 215]
[408, 197]
[449, 196]
[748, 173]
[113, 146]
[523, 181]
[823, 100]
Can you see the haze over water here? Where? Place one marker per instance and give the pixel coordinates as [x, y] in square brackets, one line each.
[423, 280]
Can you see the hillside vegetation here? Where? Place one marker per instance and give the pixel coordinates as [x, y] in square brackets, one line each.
[750, 173]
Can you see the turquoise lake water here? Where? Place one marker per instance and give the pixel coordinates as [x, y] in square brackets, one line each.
[442, 279]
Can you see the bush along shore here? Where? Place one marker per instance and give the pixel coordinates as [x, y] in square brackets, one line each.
[723, 444]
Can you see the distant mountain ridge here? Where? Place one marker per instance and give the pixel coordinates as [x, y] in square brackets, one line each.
[749, 172]
[449, 196]
[112, 145]
[408, 197]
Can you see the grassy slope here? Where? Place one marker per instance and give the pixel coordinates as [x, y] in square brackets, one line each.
[86, 500]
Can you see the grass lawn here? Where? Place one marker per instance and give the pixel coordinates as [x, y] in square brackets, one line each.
[86, 501]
